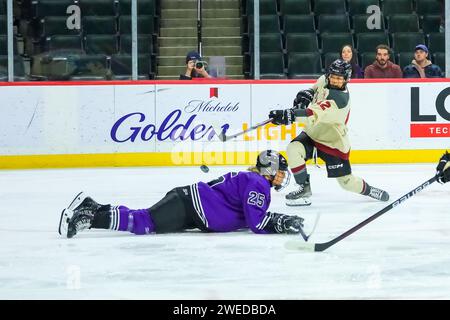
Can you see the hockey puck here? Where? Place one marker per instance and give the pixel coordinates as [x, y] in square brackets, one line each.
[204, 168]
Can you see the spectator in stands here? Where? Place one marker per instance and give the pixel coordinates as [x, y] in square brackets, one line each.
[194, 69]
[348, 54]
[382, 67]
[421, 67]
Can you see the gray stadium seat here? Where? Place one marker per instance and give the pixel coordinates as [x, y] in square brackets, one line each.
[98, 7]
[299, 24]
[436, 42]
[360, 6]
[427, 7]
[403, 23]
[406, 41]
[431, 23]
[145, 24]
[301, 42]
[145, 44]
[333, 23]
[99, 25]
[304, 64]
[329, 6]
[333, 42]
[397, 6]
[272, 66]
[145, 7]
[360, 24]
[52, 7]
[367, 42]
[101, 44]
[121, 67]
[404, 58]
[295, 7]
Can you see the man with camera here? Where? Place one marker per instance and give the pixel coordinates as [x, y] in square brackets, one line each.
[195, 67]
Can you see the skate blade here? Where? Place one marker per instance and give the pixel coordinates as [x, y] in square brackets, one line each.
[77, 201]
[298, 203]
[66, 215]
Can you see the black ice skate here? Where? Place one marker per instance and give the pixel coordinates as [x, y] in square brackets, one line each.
[78, 215]
[377, 194]
[301, 196]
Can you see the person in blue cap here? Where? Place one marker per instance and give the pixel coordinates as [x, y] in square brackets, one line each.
[421, 67]
[195, 67]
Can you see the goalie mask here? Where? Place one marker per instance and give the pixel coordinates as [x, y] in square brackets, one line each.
[271, 163]
[340, 68]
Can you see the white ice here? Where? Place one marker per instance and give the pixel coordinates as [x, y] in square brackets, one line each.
[404, 254]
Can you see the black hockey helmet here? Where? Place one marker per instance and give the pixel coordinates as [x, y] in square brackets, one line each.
[340, 67]
[268, 164]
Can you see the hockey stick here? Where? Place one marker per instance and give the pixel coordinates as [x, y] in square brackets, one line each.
[302, 232]
[317, 247]
[224, 137]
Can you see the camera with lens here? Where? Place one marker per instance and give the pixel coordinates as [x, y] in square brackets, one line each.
[200, 64]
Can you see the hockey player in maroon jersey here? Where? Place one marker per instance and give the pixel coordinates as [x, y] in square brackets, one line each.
[236, 200]
[324, 109]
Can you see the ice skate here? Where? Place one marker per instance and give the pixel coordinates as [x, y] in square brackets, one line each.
[78, 215]
[378, 194]
[301, 196]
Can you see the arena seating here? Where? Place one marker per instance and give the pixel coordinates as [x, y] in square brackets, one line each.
[93, 51]
[292, 31]
[319, 28]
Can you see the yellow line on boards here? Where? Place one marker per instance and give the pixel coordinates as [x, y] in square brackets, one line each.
[196, 158]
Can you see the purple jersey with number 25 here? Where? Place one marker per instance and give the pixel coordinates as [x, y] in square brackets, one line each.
[233, 201]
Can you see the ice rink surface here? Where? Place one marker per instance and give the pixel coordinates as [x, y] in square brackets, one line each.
[405, 254]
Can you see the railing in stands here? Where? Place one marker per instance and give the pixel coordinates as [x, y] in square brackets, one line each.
[199, 27]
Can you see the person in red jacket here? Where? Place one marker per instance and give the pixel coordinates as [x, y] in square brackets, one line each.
[382, 67]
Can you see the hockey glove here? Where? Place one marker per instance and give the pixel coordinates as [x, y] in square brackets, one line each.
[280, 117]
[304, 98]
[443, 168]
[283, 223]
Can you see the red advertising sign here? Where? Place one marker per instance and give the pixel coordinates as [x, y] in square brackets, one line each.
[430, 130]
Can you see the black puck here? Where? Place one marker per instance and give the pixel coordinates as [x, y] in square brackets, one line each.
[204, 168]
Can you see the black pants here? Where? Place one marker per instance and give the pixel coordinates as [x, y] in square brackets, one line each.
[175, 212]
[336, 167]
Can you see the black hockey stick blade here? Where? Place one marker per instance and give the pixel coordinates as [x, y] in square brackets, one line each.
[318, 247]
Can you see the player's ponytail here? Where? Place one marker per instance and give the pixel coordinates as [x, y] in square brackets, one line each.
[254, 169]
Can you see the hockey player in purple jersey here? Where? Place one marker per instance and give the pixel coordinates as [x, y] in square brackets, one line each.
[236, 200]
